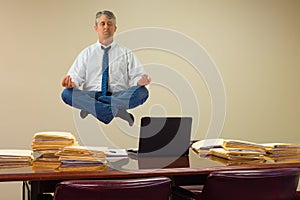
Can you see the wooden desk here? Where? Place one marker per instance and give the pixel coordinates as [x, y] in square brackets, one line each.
[189, 169]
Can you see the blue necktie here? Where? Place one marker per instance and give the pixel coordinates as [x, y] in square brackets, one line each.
[104, 71]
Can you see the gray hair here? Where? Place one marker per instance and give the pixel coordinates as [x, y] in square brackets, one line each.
[108, 14]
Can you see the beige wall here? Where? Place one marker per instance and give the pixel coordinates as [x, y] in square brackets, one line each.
[254, 43]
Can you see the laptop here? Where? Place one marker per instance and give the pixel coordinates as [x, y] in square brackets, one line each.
[164, 136]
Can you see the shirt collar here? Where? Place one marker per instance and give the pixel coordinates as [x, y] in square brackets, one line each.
[112, 44]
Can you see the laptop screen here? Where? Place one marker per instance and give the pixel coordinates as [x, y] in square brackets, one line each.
[164, 136]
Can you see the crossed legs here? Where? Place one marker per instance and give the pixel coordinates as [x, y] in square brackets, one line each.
[105, 108]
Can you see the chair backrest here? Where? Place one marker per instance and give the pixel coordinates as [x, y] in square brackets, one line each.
[260, 184]
[158, 188]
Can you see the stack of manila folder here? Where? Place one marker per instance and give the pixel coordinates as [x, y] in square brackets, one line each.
[45, 145]
[83, 158]
[282, 152]
[231, 152]
[14, 158]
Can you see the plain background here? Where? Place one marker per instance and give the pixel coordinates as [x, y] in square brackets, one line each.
[254, 43]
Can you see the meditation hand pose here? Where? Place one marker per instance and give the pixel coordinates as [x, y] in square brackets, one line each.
[111, 77]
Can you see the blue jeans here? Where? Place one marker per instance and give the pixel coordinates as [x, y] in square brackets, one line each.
[104, 108]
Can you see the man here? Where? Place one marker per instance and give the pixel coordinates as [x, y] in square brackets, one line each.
[111, 77]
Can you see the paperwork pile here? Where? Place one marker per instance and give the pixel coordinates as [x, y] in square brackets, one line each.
[236, 151]
[234, 162]
[82, 158]
[203, 147]
[282, 152]
[12, 158]
[238, 155]
[46, 144]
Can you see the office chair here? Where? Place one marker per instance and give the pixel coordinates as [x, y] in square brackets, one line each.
[158, 188]
[258, 184]
[297, 195]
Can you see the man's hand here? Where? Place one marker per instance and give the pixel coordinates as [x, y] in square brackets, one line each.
[145, 80]
[67, 82]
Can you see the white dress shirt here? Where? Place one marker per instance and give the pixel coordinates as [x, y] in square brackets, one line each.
[124, 68]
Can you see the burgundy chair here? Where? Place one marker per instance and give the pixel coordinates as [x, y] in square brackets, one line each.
[158, 188]
[297, 195]
[259, 184]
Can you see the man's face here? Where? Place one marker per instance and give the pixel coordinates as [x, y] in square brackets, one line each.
[105, 27]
